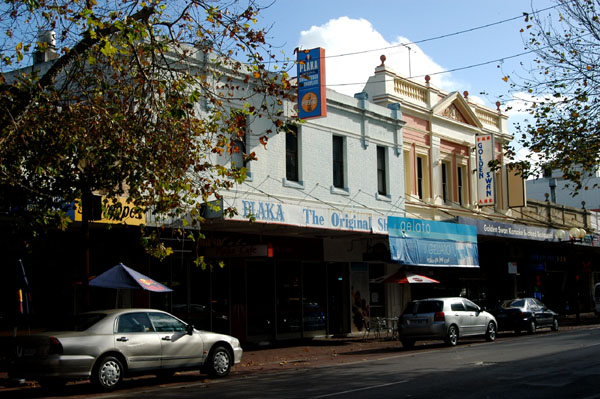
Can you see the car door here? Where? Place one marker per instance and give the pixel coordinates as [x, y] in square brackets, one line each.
[477, 319]
[179, 349]
[460, 316]
[135, 338]
[536, 311]
[545, 316]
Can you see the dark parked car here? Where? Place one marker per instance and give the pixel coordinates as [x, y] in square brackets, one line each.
[524, 314]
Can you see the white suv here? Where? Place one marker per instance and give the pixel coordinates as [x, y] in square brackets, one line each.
[446, 319]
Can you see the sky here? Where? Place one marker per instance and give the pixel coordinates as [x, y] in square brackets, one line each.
[355, 34]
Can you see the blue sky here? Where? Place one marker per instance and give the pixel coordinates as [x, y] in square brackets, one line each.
[343, 27]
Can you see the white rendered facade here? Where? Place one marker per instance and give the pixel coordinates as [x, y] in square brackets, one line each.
[560, 191]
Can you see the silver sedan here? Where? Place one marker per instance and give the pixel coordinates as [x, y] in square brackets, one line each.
[104, 346]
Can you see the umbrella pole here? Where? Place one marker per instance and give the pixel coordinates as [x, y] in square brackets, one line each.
[117, 300]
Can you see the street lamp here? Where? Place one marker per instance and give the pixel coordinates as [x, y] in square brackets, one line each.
[574, 234]
[561, 235]
[577, 234]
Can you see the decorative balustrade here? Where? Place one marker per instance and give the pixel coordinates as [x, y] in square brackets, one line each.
[410, 90]
[488, 118]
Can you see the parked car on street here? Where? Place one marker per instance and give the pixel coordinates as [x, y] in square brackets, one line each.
[444, 318]
[105, 346]
[524, 314]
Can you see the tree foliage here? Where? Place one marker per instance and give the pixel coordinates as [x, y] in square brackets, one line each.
[564, 86]
[138, 103]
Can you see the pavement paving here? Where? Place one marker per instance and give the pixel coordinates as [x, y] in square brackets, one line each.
[328, 351]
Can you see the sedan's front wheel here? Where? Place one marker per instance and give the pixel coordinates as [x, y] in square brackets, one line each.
[555, 325]
[219, 362]
[107, 373]
[490, 334]
[452, 336]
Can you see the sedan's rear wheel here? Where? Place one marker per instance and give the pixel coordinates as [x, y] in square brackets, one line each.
[531, 327]
[219, 362]
[107, 373]
[555, 325]
[452, 336]
[490, 334]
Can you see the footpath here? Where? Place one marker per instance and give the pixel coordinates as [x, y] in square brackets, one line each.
[327, 351]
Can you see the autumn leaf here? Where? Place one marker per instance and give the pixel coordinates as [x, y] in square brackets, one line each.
[263, 140]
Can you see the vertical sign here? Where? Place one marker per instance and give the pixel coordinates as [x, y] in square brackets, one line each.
[312, 101]
[485, 176]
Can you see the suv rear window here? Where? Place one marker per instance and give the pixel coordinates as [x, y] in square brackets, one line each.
[424, 307]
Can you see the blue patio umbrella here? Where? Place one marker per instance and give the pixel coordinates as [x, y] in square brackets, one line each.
[121, 276]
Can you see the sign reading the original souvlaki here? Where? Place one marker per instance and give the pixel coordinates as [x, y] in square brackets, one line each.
[348, 219]
[312, 100]
[484, 148]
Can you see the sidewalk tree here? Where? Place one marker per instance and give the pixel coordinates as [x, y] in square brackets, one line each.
[133, 103]
[564, 85]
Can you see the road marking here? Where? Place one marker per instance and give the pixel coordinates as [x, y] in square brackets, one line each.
[359, 389]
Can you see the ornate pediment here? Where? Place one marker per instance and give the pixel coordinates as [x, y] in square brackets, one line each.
[455, 107]
[453, 112]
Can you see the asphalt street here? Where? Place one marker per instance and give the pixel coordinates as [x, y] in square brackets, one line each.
[556, 365]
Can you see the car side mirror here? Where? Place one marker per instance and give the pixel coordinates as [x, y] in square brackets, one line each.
[190, 329]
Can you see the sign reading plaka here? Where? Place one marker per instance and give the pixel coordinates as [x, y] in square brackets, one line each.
[485, 176]
[312, 101]
[308, 216]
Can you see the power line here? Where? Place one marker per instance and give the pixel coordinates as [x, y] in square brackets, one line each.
[444, 35]
[448, 70]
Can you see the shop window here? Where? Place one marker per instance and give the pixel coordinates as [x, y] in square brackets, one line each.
[314, 299]
[289, 299]
[292, 172]
[381, 171]
[260, 288]
[445, 183]
[422, 178]
[338, 161]
[460, 185]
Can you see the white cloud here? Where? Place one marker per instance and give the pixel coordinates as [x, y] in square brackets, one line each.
[348, 74]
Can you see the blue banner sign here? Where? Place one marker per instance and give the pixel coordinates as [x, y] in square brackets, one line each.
[508, 230]
[312, 101]
[430, 243]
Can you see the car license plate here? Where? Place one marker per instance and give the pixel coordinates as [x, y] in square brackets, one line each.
[28, 352]
[417, 322]
[25, 352]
